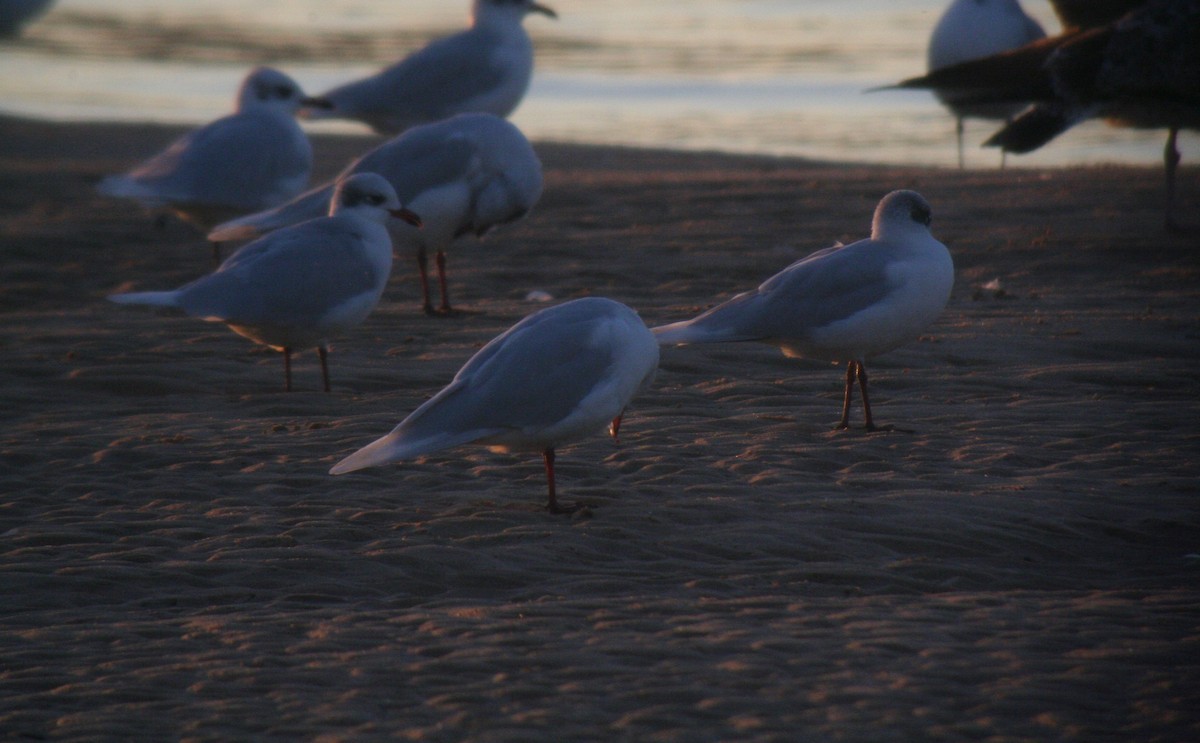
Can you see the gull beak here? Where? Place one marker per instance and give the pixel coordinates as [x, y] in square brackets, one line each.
[539, 8]
[407, 215]
[317, 103]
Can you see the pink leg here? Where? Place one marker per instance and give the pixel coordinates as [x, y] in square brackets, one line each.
[423, 267]
[441, 268]
[552, 506]
[323, 353]
[862, 383]
[847, 397]
[614, 428]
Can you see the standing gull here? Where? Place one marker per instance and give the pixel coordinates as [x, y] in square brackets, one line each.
[559, 375]
[484, 68]
[847, 303]
[1140, 70]
[298, 287]
[462, 175]
[970, 29]
[255, 158]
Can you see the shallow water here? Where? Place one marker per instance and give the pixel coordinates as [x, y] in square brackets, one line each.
[765, 76]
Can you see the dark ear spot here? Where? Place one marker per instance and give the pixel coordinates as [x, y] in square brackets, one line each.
[922, 214]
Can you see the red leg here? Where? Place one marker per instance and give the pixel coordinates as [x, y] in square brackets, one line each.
[847, 397]
[862, 383]
[552, 506]
[423, 267]
[614, 428]
[441, 269]
[323, 353]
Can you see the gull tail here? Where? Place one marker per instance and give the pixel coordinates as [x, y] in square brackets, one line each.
[124, 187]
[1016, 76]
[1035, 127]
[399, 445]
[310, 205]
[692, 331]
[154, 299]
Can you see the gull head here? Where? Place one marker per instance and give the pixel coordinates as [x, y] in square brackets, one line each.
[372, 196]
[900, 212]
[266, 87]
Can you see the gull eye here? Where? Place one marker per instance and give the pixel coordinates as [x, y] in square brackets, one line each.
[283, 91]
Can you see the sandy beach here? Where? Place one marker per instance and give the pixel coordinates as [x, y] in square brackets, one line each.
[1019, 562]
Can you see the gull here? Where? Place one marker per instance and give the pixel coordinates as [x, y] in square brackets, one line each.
[463, 175]
[970, 29]
[16, 13]
[847, 303]
[297, 287]
[1140, 68]
[485, 68]
[252, 159]
[557, 376]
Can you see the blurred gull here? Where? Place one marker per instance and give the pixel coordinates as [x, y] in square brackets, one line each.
[847, 303]
[484, 68]
[298, 287]
[1141, 69]
[462, 175]
[14, 14]
[559, 375]
[255, 158]
[977, 28]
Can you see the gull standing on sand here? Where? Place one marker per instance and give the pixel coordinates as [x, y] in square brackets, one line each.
[255, 158]
[484, 68]
[559, 375]
[847, 303]
[970, 29]
[463, 175]
[298, 287]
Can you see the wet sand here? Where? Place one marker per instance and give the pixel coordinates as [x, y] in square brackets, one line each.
[1019, 562]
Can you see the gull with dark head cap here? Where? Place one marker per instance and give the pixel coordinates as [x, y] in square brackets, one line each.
[298, 287]
[846, 303]
[255, 158]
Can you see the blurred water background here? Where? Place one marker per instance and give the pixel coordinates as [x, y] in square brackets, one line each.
[753, 76]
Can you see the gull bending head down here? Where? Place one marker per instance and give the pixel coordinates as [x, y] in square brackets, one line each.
[559, 375]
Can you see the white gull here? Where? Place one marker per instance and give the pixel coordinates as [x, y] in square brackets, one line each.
[559, 375]
[252, 159]
[970, 29]
[485, 68]
[298, 287]
[845, 303]
[463, 175]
